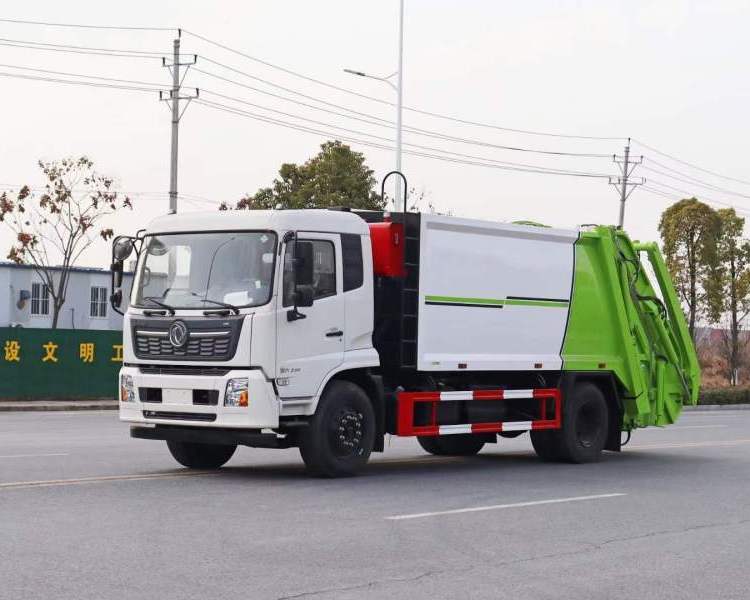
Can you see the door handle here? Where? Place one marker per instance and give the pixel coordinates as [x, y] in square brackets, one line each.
[334, 333]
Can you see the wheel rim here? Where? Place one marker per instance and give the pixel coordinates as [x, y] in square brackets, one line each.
[347, 433]
[589, 422]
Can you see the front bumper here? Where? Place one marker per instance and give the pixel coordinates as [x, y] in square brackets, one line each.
[262, 411]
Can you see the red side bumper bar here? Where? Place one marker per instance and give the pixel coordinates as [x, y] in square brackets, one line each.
[406, 402]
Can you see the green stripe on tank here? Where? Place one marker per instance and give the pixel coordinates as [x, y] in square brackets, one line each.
[511, 301]
[458, 300]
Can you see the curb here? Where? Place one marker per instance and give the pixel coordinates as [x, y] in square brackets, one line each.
[56, 406]
[714, 407]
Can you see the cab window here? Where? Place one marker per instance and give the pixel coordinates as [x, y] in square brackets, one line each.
[324, 271]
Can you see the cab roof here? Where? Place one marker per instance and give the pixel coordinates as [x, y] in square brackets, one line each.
[320, 220]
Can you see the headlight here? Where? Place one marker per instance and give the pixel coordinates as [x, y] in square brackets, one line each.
[236, 394]
[127, 389]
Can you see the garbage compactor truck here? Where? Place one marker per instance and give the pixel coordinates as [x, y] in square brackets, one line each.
[327, 330]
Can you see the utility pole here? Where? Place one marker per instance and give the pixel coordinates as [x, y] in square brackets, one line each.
[624, 183]
[174, 98]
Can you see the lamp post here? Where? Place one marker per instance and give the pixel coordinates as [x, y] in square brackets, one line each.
[399, 88]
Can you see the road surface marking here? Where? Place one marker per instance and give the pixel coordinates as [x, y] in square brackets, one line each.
[717, 443]
[103, 479]
[458, 511]
[33, 455]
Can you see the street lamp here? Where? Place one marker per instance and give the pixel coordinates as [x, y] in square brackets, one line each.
[398, 86]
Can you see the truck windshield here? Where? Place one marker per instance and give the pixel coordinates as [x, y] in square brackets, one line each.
[198, 270]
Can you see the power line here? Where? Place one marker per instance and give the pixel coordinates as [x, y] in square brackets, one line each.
[35, 70]
[377, 137]
[682, 162]
[690, 177]
[283, 88]
[691, 181]
[88, 48]
[673, 197]
[306, 129]
[72, 51]
[82, 26]
[379, 122]
[71, 82]
[682, 191]
[10, 187]
[388, 103]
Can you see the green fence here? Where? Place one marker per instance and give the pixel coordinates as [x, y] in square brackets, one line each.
[59, 363]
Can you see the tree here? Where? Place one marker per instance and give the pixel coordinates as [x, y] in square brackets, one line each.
[689, 230]
[732, 283]
[336, 176]
[53, 228]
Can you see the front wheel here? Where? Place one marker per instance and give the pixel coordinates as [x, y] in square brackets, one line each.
[200, 456]
[463, 444]
[340, 437]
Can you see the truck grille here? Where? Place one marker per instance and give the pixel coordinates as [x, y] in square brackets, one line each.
[207, 339]
[205, 347]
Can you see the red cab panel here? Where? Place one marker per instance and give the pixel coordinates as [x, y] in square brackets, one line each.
[387, 249]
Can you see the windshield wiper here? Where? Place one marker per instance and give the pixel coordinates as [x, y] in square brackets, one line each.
[160, 303]
[231, 307]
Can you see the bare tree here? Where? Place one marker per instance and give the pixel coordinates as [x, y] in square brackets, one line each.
[54, 227]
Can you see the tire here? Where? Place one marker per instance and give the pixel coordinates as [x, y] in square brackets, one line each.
[545, 445]
[200, 456]
[340, 437]
[463, 444]
[584, 428]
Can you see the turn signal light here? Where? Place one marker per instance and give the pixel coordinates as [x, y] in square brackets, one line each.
[127, 389]
[236, 393]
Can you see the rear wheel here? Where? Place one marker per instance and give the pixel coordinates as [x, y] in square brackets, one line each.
[339, 439]
[200, 456]
[584, 428]
[464, 444]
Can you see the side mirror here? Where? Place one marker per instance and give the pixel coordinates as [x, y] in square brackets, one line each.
[303, 264]
[122, 248]
[116, 298]
[303, 295]
[117, 269]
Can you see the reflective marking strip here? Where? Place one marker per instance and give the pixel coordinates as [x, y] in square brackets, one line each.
[516, 425]
[457, 395]
[510, 394]
[453, 429]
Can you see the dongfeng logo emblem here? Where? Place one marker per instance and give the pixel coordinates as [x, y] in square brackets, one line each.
[178, 334]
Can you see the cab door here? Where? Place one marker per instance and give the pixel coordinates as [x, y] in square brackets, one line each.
[311, 347]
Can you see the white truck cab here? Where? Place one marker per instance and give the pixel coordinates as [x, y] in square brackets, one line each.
[212, 335]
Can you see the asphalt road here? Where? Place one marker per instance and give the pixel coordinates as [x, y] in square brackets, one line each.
[87, 512]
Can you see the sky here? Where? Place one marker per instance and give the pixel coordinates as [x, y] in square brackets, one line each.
[669, 73]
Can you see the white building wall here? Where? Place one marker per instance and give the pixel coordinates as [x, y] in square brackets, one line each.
[75, 313]
[6, 297]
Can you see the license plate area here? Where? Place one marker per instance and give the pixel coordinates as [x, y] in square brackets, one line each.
[176, 396]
